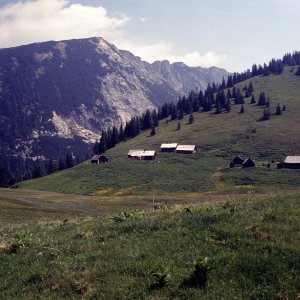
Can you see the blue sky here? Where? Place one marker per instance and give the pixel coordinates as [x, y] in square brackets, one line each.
[232, 34]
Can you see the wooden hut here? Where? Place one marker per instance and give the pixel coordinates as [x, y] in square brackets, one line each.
[186, 149]
[143, 154]
[99, 159]
[237, 162]
[133, 152]
[248, 163]
[292, 162]
[149, 155]
[168, 147]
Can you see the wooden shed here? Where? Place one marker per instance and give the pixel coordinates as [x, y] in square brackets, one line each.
[143, 154]
[237, 162]
[168, 147]
[186, 149]
[248, 163]
[134, 151]
[292, 162]
[99, 159]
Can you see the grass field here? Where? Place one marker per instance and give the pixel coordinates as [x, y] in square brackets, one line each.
[218, 138]
[239, 248]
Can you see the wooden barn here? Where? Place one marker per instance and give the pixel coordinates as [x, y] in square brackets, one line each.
[292, 162]
[186, 149]
[99, 159]
[248, 162]
[134, 151]
[168, 147]
[142, 154]
[237, 162]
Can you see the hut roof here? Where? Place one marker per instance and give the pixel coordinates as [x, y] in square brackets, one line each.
[186, 147]
[248, 162]
[149, 153]
[130, 152]
[292, 160]
[96, 157]
[238, 160]
[142, 153]
[169, 145]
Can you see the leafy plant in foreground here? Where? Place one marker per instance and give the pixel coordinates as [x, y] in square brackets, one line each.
[198, 279]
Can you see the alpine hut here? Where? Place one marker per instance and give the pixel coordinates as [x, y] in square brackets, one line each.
[168, 147]
[99, 159]
[133, 152]
[142, 154]
[248, 163]
[237, 162]
[186, 149]
[292, 162]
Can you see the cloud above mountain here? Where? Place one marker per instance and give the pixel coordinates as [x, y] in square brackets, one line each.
[43, 20]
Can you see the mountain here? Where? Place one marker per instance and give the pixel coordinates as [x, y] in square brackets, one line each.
[56, 97]
[219, 137]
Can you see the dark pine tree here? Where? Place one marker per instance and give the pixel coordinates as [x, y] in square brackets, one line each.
[153, 131]
[155, 118]
[242, 110]
[178, 126]
[262, 99]
[228, 105]
[278, 110]
[191, 119]
[266, 114]
[61, 164]
[180, 115]
[121, 133]
[253, 101]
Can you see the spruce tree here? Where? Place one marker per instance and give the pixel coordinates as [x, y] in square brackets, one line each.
[121, 133]
[191, 119]
[242, 110]
[180, 115]
[153, 131]
[228, 105]
[155, 118]
[253, 101]
[278, 110]
[266, 114]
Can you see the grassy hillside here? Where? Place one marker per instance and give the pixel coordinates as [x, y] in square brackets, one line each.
[218, 137]
[239, 249]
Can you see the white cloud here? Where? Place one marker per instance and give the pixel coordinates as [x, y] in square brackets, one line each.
[142, 19]
[164, 50]
[43, 20]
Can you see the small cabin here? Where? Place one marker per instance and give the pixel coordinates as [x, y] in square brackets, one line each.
[168, 147]
[237, 162]
[99, 159]
[142, 154]
[134, 151]
[248, 163]
[186, 149]
[292, 162]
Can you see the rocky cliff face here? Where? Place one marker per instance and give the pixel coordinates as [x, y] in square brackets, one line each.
[58, 96]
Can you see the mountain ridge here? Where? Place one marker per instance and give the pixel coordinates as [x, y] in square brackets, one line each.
[74, 89]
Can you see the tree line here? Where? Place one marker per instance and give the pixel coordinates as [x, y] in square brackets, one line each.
[213, 97]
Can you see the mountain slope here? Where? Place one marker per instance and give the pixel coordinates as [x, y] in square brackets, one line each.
[219, 138]
[65, 93]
